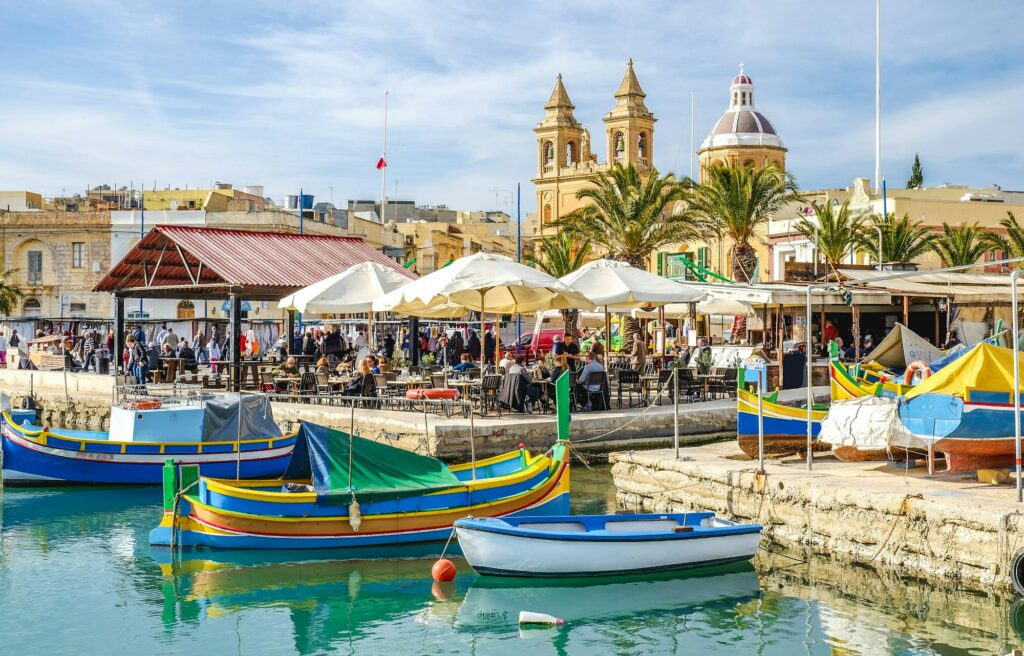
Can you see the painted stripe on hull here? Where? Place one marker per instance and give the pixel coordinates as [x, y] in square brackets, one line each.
[490, 571]
[25, 460]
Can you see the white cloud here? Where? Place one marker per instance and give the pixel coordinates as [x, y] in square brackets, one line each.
[290, 94]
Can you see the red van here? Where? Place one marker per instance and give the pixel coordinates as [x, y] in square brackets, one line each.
[541, 341]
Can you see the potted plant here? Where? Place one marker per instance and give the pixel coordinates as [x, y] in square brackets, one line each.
[703, 361]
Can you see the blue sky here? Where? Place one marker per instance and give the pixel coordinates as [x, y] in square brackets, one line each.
[290, 94]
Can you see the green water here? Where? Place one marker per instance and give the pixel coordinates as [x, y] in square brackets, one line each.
[77, 576]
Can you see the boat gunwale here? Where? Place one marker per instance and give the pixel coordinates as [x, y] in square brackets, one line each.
[39, 437]
[230, 487]
[553, 480]
[501, 527]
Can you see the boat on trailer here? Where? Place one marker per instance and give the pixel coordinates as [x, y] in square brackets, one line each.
[145, 433]
[572, 546]
[344, 491]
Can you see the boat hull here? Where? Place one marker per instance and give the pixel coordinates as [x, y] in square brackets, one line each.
[974, 434]
[785, 427]
[198, 524]
[573, 555]
[853, 454]
[41, 458]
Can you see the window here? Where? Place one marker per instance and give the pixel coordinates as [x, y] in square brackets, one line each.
[642, 146]
[32, 307]
[570, 153]
[547, 214]
[77, 254]
[77, 309]
[186, 310]
[35, 268]
[620, 146]
[549, 153]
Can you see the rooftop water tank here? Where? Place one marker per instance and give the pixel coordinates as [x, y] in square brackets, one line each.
[291, 202]
[255, 190]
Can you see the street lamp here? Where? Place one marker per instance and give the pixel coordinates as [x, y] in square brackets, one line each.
[1016, 381]
[810, 374]
[879, 230]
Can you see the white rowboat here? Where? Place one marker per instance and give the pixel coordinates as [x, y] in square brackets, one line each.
[603, 545]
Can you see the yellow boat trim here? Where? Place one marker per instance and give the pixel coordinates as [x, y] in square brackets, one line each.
[501, 457]
[562, 483]
[237, 489]
[39, 437]
[748, 404]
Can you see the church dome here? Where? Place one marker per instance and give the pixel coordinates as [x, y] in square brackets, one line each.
[742, 124]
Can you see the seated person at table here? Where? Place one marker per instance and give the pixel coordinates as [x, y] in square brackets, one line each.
[346, 366]
[289, 367]
[323, 365]
[569, 350]
[845, 352]
[383, 364]
[518, 391]
[374, 366]
[355, 386]
[597, 347]
[592, 367]
[465, 365]
[188, 357]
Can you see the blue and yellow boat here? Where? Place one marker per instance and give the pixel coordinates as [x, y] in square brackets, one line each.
[785, 427]
[141, 440]
[343, 491]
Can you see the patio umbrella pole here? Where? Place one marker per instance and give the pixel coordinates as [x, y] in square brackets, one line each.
[483, 340]
[238, 439]
[607, 336]
[369, 330]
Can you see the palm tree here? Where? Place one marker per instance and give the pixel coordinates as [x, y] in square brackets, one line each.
[963, 244]
[10, 293]
[630, 216]
[902, 239]
[836, 231]
[560, 255]
[735, 200]
[1013, 241]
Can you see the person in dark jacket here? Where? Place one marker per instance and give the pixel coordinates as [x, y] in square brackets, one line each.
[389, 346]
[473, 346]
[455, 347]
[308, 343]
[489, 347]
[518, 391]
[333, 344]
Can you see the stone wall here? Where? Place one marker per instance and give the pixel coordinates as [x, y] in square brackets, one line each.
[918, 527]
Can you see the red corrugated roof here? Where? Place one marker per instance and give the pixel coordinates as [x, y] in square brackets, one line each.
[256, 264]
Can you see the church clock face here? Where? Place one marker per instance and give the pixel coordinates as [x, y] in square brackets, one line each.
[547, 196]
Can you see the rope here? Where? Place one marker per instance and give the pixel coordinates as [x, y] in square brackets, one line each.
[447, 542]
[174, 515]
[652, 403]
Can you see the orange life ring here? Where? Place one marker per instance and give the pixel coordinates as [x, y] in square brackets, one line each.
[916, 365]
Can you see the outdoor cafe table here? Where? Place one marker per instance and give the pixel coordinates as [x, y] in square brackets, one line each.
[408, 383]
[706, 380]
[172, 365]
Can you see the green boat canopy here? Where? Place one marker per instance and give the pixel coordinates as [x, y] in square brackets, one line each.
[379, 471]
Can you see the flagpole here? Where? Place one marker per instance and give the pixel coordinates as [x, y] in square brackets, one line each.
[384, 168]
[878, 96]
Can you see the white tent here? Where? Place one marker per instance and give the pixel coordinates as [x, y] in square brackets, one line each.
[483, 282]
[612, 284]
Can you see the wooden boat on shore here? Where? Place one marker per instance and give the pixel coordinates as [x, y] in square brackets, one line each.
[142, 438]
[785, 427]
[343, 491]
[573, 546]
[966, 410]
[848, 383]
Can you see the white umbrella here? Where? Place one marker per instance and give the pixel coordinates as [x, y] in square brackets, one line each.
[612, 283]
[483, 282]
[351, 291]
[725, 306]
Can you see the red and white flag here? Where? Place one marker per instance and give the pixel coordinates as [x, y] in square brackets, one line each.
[381, 164]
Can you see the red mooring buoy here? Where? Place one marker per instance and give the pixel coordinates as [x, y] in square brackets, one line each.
[443, 570]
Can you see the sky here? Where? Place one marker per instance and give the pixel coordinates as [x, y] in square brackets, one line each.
[290, 94]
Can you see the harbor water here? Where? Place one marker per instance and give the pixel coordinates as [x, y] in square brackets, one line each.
[77, 575]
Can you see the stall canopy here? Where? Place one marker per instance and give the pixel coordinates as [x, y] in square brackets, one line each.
[211, 263]
[617, 284]
[960, 287]
[787, 294]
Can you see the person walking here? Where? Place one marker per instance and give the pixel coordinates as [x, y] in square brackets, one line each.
[213, 353]
[3, 350]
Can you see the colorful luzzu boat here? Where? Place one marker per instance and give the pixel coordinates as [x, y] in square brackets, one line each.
[785, 427]
[846, 383]
[342, 491]
[966, 410]
[138, 445]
